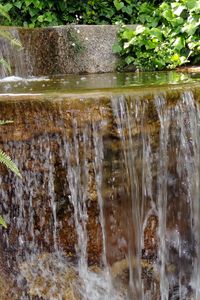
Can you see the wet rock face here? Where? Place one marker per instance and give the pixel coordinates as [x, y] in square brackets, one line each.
[37, 142]
[50, 277]
[90, 186]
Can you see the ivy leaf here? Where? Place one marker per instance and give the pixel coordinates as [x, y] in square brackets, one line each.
[150, 44]
[128, 10]
[139, 29]
[18, 4]
[116, 48]
[190, 28]
[178, 9]
[156, 33]
[33, 11]
[179, 43]
[193, 4]
[168, 15]
[40, 18]
[118, 4]
[128, 34]
[28, 2]
[129, 60]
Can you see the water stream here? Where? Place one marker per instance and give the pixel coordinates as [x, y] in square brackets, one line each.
[108, 204]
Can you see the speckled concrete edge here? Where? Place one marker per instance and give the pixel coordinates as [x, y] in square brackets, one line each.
[70, 49]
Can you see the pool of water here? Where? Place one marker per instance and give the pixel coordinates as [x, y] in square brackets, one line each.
[94, 82]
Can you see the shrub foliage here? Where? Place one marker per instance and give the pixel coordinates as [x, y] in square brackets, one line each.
[38, 13]
[168, 36]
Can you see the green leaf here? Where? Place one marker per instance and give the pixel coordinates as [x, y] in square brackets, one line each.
[33, 11]
[28, 2]
[116, 48]
[129, 60]
[5, 64]
[8, 36]
[168, 15]
[179, 43]
[6, 160]
[193, 4]
[149, 44]
[8, 7]
[118, 4]
[2, 222]
[18, 4]
[139, 29]
[128, 10]
[178, 9]
[4, 13]
[175, 57]
[2, 122]
[190, 28]
[156, 33]
[16, 43]
[40, 18]
[128, 34]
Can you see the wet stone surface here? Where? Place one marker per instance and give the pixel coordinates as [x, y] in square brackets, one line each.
[92, 196]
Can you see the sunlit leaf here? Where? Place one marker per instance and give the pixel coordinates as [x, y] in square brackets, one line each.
[4, 13]
[2, 222]
[5, 64]
[6, 160]
[179, 43]
[118, 4]
[2, 122]
[139, 29]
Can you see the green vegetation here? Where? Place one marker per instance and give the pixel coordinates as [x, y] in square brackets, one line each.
[6, 160]
[40, 13]
[169, 36]
[9, 37]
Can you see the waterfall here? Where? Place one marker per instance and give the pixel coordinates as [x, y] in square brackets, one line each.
[14, 57]
[108, 204]
[176, 160]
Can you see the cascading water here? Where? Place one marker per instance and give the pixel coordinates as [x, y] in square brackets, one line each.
[12, 55]
[108, 204]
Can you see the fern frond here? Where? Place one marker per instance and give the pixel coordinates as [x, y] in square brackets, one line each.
[16, 43]
[5, 64]
[4, 122]
[4, 13]
[6, 160]
[7, 35]
[2, 222]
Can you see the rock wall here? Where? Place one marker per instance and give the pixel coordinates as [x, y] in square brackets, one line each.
[69, 49]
